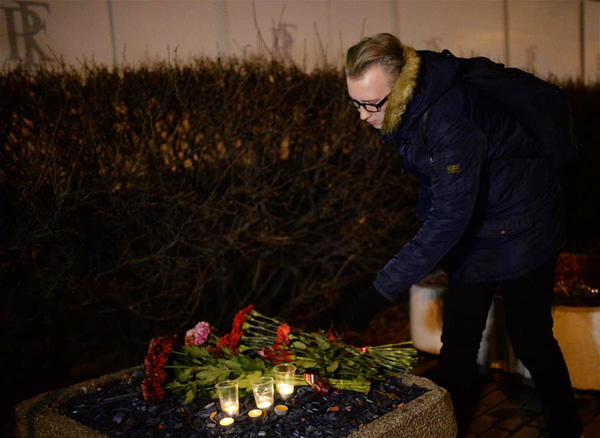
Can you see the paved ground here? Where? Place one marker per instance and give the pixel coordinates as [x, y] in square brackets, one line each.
[508, 406]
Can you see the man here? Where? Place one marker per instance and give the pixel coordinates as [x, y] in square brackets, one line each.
[491, 211]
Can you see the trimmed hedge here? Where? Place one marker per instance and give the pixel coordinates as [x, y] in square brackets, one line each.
[172, 194]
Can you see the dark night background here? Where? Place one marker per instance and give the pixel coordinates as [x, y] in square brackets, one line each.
[138, 204]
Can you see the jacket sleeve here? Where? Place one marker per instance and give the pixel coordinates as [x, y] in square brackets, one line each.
[457, 149]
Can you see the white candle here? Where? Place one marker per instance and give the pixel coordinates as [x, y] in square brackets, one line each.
[285, 389]
[264, 404]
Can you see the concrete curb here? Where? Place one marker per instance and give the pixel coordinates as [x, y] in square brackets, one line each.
[429, 416]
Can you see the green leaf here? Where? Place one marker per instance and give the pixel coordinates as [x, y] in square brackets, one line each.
[210, 373]
[233, 364]
[245, 362]
[250, 364]
[308, 364]
[195, 351]
[245, 380]
[189, 397]
[322, 343]
[255, 375]
[182, 375]
[299, 345]
[333, 366]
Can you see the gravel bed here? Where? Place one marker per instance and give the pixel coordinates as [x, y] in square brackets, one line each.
[117, 410]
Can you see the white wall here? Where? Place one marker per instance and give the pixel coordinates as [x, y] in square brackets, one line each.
[543, 35]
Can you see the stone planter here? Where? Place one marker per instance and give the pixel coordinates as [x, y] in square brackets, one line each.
[428, 416]
[578, 332]
[426, 309]
[426, 306]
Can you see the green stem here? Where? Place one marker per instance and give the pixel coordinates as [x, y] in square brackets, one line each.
[179, 366]
[253, 328]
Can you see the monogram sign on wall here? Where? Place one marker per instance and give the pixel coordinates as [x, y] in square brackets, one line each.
[24, 20]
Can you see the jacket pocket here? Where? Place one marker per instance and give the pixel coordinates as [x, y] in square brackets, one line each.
[506, 227]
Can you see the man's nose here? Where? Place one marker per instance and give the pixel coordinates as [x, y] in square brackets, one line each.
[364, 114]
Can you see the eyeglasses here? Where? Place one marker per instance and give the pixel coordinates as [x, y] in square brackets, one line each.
[370, 107]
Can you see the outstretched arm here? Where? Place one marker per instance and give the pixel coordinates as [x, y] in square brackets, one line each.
[458, 149]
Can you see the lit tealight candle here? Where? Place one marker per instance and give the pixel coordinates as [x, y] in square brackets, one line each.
[255, 414]
[266, 404]
[227, 421]
[285, 390]
[231, 409]
[281, 409]
[227, 391]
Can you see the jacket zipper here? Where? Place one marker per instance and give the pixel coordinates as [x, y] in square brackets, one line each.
[431, 167]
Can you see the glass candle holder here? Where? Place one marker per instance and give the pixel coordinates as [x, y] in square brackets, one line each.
[284, 379]
[262, 388]
[228, 397]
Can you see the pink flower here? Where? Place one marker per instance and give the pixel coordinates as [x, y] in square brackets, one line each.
[197, 335]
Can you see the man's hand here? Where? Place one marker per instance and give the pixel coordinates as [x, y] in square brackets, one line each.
[359, 310]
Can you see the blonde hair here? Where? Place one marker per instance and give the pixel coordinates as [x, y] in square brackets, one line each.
[383, 49]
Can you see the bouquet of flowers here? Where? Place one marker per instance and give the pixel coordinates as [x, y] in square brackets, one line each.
[257, 342]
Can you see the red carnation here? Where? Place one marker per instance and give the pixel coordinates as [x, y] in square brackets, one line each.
[234, 340]
[240, 318]
[269, 354]
[283, 333]
[278, 354]
[154, 374]
[231, 340]
[223, 342]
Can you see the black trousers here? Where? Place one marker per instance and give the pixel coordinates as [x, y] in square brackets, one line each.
[527, 301]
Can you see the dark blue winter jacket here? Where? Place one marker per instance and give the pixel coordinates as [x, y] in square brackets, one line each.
[490, 205]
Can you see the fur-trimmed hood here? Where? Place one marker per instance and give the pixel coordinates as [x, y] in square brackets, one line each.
[402, 91]
[425, 77]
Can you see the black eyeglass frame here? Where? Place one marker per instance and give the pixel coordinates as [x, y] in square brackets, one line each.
[356, 104]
